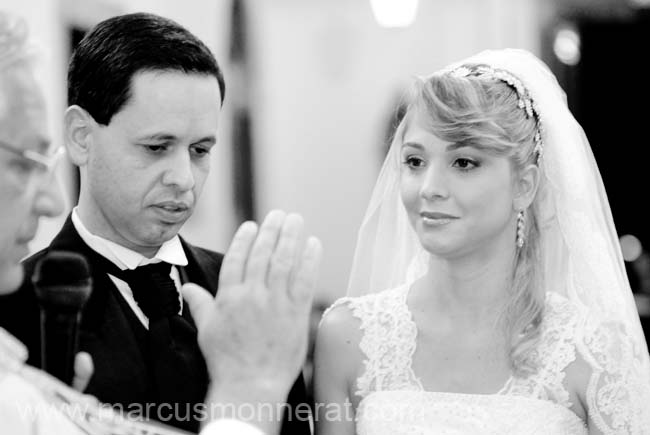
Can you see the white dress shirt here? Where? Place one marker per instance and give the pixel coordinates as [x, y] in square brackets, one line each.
[171, 252]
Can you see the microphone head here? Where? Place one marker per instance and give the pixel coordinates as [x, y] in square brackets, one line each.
[62, 280]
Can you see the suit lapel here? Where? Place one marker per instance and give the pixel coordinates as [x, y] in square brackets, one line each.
[202, 267]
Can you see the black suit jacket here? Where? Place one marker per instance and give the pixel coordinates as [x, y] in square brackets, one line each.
[112, 334]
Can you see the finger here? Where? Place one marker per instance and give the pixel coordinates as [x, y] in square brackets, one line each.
[234, 262]
[304, 282]
[199, 301]
[83, 371]
[267, 237]
[283, 258]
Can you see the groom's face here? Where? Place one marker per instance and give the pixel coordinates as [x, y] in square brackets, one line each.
[146, 169]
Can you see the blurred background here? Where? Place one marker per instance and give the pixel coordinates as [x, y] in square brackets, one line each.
[314, 88]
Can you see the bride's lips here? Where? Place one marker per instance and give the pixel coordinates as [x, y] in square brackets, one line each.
[436, 218]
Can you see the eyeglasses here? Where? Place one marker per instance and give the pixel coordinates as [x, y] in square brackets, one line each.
[31, 168]
[45, 163]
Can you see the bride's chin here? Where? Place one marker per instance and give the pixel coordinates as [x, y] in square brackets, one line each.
[439, 247]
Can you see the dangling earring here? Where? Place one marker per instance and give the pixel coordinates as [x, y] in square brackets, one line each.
[521, 227]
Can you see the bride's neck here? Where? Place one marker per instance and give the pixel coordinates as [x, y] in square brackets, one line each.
[474, 286]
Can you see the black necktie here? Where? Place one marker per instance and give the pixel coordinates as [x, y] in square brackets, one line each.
[172, 346]
[153, 289]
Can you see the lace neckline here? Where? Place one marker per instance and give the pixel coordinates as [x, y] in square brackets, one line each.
[412, 331]
[389, 341]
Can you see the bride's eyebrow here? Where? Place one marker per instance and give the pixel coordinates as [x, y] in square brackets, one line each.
[415, 145]
[466, 144]
[458, 145]
[473, 144]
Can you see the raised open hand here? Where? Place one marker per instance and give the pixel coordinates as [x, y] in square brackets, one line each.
[254, 333]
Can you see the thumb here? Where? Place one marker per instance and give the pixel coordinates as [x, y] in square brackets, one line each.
[199, 300]
[83, 371]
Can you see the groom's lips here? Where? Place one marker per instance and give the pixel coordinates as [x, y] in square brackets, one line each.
[172, 211]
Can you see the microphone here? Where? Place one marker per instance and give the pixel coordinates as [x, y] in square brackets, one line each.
[62, 284]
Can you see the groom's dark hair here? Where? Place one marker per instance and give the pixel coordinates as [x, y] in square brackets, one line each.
[105, 61]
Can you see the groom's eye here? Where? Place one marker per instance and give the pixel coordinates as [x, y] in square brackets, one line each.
[200, 151]
[155, 149]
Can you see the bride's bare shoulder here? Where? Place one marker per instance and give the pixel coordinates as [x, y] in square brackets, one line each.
[339, 327]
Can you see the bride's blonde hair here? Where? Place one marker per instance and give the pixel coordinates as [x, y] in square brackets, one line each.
[484, 112]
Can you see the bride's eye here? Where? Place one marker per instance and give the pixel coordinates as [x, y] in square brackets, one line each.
[465, 164]
[413, 162]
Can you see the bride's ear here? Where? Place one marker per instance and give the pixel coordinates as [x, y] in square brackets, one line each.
[526, 186]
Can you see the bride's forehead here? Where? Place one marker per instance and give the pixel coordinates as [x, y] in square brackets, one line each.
[418, 126]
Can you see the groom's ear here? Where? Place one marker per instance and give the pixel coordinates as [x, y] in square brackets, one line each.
[78, 131]
[526, 186]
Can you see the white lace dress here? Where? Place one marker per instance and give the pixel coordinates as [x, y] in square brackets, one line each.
[394, 402]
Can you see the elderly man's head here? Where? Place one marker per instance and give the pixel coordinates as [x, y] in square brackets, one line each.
[28, 189]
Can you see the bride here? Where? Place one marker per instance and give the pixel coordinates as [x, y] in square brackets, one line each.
[488, 294]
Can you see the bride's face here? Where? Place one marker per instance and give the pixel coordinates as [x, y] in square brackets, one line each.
[458, 199]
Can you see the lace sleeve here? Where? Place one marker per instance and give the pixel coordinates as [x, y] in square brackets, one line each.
[618, 392]
[364, 310]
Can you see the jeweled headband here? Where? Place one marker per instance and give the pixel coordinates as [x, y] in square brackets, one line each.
[525, 100]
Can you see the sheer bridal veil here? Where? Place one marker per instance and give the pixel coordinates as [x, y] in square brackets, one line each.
[580, 250]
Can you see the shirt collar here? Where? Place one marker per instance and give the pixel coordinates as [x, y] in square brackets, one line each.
[170, 252]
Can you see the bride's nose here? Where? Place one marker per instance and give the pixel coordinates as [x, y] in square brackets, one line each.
[434, 183]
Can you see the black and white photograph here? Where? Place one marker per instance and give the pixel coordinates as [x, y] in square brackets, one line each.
[324, 217]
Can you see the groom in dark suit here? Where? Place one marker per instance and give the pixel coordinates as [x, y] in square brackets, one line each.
[145, 96]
